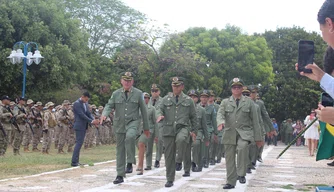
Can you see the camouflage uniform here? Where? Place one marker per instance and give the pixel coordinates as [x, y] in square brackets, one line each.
[70, 136]
[28, 134]
[64, 117]
[20, 115]
[38, 125]
[57, 129]
[90, 138]
[5, 117]
[49, 127]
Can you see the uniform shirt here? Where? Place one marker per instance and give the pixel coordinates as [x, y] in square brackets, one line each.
[202, 127]
[20, 113]
[239, 120]
[268, 126]
[152, 120]
[178, 115]
[5, 117]
[49, 119]
[64, 116]
[211, 118]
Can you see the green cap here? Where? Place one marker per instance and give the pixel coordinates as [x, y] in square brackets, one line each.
[146, 94]
[205, 93]
[193, 92]
[127, 76]
[212, 93]
[155, 87]
[236, 81]
[245, 90]
[177, 81]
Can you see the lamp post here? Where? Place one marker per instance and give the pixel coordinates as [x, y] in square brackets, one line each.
[17, 56]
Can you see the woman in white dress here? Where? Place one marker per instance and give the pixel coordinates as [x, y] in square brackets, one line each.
[312, 134]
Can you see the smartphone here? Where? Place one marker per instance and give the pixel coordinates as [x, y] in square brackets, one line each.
[305, 55]
[326, 100]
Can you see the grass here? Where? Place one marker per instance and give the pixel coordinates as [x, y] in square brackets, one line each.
[35, 162]
[287, 186]
[315, 185]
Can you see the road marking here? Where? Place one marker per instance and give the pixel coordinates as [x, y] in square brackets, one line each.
[212, 179]
[203, 186]
[281, 171]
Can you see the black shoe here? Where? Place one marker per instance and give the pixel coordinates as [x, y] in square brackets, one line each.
[193, 166]
[260, 160]
[74, 164]
[197, 169]
[169, 184]
[148, 168]
[218, 161]
[118, 180]
[212, 162]
[129, 168]
[178, 166]
[249, 171]
[330, 164]
[228, 186]
[157, 164]
[186, 174]
[242, 179]
[253, 168]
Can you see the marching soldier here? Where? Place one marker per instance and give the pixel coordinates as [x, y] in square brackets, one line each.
[155, 102]
[65, 118]
[127, 101]
[211, 122]
[49, 127]
[5, 118]
[71, 133]
[21, 117]
[180, 123]
[238, 116]
[37, 112]
[28, 134]
[220, 147]
[202, 135]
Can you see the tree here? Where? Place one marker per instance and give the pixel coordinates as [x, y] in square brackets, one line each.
[290, 95]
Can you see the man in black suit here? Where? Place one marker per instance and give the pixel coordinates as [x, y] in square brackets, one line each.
[82, 116]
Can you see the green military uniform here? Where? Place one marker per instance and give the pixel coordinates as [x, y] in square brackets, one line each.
[220, 148]
[281, 131]
[38, 125]
[153, 125]
[241, 127]
[126, 121]
[5, 117]
[20, 115]
[155, 102]
[179, 120]
[288, 132]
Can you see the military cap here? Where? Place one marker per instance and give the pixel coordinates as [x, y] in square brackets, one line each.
[12, 103]
[22, 99]
[127, 76]
[30, 101]
[93, 106]
[66, 102]
[58, 107]
[49, 104]
[177, 81]
[205, 92]
[236, 81]
[146, 94]
[155, 87]
[245, 90]
[218, 99]
[192, 92]
[254, 89]
[39, 103]
[212, 93]
[5, 97]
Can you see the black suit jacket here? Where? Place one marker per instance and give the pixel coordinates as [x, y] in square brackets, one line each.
[81, 117]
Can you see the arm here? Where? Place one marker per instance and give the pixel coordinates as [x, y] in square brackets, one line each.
[109, 106]
[154, 121]
[327, 84]
[144, 114]
[255, 121]
[193, 117]
[214, 121]
[204, 126]
[61, 115]
[266, 119]
[221, 114]
[81, 113]
[4, 115]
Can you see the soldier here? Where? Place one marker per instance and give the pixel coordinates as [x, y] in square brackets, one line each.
[5, 118]
[238, 116]
[180, 123]
[202, 135]
[71, 133]
[220, 147]
[267, 125]
[49, 127]
[90, 137]
[288, 131]
[21, 117]
[57, 129]
[211, 122]
[28, 133]
[97, 137]
[11, 136]
[155, 102]
[127, 101]
[37, 112]
[65, 118]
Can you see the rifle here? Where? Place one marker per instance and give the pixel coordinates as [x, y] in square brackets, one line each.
[68, 120]
[27, 121]
[13, 120]
[36, 116]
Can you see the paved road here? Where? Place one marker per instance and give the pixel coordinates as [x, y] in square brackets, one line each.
[295, 171]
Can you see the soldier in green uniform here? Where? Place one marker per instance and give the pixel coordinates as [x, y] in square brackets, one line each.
[5, 117]
[21, 117]
[180, 123]
[239, 118]
[220, 147]
[211, 122]
[281, 131]
[155, 102]
[288, 131]
[127, 101]
[214, 148]
[37, 112]
[202, 135]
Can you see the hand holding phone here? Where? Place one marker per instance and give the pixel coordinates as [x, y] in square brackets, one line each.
[305, 55]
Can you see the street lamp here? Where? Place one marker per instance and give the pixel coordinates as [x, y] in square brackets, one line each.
[28, 58]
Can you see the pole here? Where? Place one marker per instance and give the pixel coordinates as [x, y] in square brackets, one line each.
[24, 69]
[297, 137]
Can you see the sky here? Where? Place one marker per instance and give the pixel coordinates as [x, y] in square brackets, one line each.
[250, 15]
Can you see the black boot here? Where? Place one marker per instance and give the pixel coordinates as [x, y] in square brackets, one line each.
[186, 174]
[157, 164]
[212, 162]
[178, 166]
[206, 164]
[128, 168]
[242, 179]
[169, 184]
[193, 166]
[119, 179]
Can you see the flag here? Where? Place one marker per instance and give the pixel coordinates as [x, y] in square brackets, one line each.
[326, 141]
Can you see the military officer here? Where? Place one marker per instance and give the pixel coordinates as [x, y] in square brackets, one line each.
[202, 135]
[238, 116]
[21, 117]
[267, 124]
[155, 102]
[127, 101]
[211, 122]
[5, 117]
[180, 123]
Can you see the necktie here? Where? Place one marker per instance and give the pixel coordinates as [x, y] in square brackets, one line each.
[126, 94]
[237, 101]
[203, 106]
[177, 98]
[154, 100]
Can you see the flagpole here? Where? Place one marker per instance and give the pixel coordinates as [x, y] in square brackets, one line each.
[297, 137]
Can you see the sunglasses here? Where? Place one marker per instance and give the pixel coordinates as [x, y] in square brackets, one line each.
[154, 91]
[236, 87]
